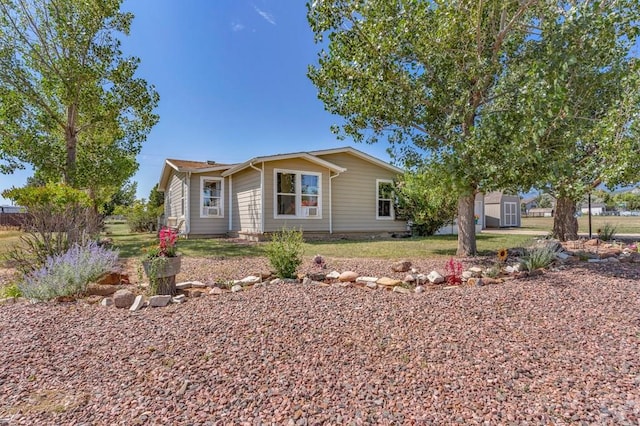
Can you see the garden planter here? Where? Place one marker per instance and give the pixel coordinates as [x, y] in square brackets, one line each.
[162, 272]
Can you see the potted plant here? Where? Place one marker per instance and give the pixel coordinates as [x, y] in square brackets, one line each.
[162, 262]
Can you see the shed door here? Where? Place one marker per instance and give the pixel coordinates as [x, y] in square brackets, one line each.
[510, 214]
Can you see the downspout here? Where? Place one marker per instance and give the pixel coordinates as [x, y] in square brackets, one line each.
[230, 203]
[187, 209]
[331, 202]
[261, 194]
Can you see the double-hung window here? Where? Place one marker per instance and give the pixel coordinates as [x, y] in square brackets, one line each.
[211, 197]
[297, 194]
[384, 199]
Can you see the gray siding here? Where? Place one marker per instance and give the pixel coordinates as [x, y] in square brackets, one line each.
[247, 201]
[207, 225]
[315, 224]
[492, 215]
[354, 196]
[494, 212]
[175, 191]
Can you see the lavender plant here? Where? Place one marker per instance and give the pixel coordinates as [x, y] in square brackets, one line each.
[68, 273]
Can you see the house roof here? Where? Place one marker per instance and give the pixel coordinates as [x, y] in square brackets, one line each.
[493, 197]
[187, 166]
[359, 154]
[229, 169]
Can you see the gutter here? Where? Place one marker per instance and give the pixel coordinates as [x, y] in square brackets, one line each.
[261, 194]
[187, 209]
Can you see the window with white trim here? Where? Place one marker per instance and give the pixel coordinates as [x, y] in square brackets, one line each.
[297, 194]
[384, 199]
[211, 197]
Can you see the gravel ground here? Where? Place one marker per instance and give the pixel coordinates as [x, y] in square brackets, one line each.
[561, 348]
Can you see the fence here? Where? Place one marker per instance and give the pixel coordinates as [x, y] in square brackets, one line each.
[12, 219]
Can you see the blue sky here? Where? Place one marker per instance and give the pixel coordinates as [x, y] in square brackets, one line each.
[231, 75]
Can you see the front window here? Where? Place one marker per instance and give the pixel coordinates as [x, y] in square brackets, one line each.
[211, 197]
[297, 194]
[384, 199]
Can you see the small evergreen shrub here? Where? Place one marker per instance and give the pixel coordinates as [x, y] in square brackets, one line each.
[285, 252]
[538, 258]
[68, 273]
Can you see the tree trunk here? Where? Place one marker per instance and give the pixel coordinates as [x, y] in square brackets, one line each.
[466, 226]
[565, 224]
[71, 145]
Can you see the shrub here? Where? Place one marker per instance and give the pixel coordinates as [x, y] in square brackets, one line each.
[58, 217]
[68, 273]
[285, 252]
[607, 232]
[143, 217]
[537, 258]
[10, 290]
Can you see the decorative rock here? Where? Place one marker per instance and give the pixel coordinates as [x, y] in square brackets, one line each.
[123, 298]
[435, 277]
[215, 291]
[372, 285]
[348, 276]
[562, 255]
[113, 278]
[137, 303]
[479, 282]
[102, 289]
[183, 285]
[388, 282]
[401, 266]
[236, 288]
[401, 290]
[334, 275]
[7, 301]
[466, 275]
[317, 276]
[251, 279]
[159, 301]
[421, 278]
[512, 269]
[365, 280]
[179, 298]
[419, 289]
[307, 281]
[594, 260]
[613, 260]
[409, 279]
[475, 270]
[275, 281]
[194, 292]
[107, 301]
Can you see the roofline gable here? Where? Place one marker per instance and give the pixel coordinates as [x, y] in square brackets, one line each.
[305, 155]
[168, 165]
[360, 154]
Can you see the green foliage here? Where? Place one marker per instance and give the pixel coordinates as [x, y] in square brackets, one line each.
[58, 217]
[607, 232]
[71, 106]
[142, 217]
[493, 91]
[156, 198]
[11, 290]
[122, 198]
[425, 200]
[285, 252]
[537, 258]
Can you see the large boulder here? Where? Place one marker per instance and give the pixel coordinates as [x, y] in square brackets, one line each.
[348, 276]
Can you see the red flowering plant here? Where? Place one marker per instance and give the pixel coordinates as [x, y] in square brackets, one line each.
[453, 272]
[166, 247]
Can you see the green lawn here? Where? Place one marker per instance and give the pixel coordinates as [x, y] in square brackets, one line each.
[8, 240]
[130, 245]
[623, 224]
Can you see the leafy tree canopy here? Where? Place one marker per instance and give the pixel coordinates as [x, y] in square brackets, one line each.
[71, 105]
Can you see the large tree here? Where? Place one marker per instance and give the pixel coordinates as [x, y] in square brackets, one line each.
[70, 103]
[579, 97]
[438, 80]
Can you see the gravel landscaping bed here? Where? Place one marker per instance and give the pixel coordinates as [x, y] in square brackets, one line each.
[561, 348]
